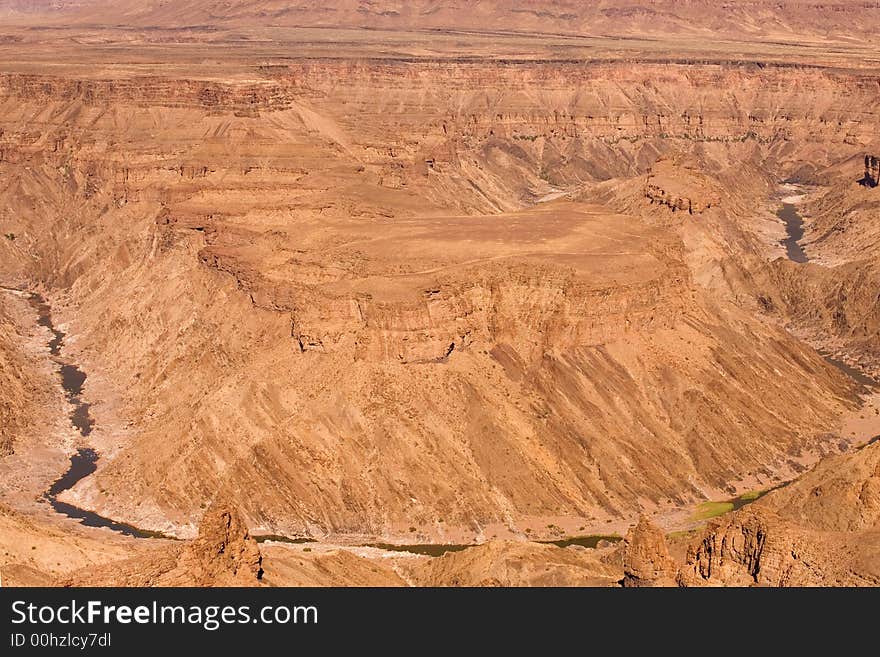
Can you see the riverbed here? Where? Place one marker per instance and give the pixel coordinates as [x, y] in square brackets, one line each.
[85, 461]
[794, 228]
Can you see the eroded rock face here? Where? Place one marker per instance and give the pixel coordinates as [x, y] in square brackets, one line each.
[515, 563]
[646, 559]
[872, 171]
[842, 493]
[224, 554]
[729, 553]
[680, 186]
[757, 548]
[14, 384]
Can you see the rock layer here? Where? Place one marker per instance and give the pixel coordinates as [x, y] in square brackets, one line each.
[224, 554]
[399, 285]
[516, 564]
[646, 560]
[821, 530]
[293, 300]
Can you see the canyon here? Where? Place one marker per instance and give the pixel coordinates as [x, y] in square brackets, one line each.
[330, 293]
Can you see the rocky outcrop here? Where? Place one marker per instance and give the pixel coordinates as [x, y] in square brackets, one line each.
[821, 530]
[656, 194]
[517, 563]
[680, 186]
[224, 554]
[872, 171]
[757, 548]
[646, 559]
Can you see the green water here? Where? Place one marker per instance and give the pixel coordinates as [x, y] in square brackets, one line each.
[709, 510]
[591, 541]
[429, 549]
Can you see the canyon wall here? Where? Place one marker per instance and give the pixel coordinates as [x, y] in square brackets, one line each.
[341, 304]
[821, 530]
[833, 301]
[19, 380]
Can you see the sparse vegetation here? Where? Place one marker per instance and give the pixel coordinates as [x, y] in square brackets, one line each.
[709, 510]
[751, 496]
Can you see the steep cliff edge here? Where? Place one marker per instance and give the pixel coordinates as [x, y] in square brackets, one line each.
[346, 308]
[821, 530]
[646, 559]
[20, 380]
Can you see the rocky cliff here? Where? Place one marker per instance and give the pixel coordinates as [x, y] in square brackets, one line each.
[822, 530]
[19, 379]
[646, 560]
[223, 554]
[347, 308]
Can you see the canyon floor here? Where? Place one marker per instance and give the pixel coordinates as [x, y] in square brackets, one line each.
[367, 296]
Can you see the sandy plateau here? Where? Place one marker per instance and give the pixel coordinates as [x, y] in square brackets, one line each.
[371, 296]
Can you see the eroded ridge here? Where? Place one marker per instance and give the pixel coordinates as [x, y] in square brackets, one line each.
[473, 306]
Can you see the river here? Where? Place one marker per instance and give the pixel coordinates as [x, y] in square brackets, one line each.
[794, 228]
[85, 461]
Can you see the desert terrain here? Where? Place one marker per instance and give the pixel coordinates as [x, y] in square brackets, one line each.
[439, 293]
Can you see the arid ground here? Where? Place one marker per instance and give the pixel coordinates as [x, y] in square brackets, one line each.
[440, 293]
